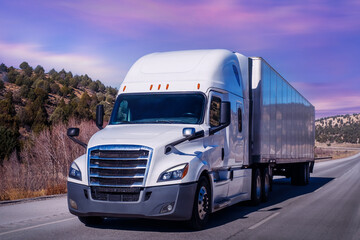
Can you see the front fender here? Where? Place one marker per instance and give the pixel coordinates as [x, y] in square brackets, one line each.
[82, 164]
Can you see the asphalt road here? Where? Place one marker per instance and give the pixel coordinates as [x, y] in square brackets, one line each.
[328, 208]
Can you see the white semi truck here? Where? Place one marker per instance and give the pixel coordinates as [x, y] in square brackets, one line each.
[192, 132]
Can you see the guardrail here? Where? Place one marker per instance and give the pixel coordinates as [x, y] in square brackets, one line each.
[320, 158]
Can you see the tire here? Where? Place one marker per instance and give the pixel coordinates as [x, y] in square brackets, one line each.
[202, 205]
[271, 179]
[295, 174]
[300, 174]
[265, 185]
[256, 188]
[91, 220]
[307, 172]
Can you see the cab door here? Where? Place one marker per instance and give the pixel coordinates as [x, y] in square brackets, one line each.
[218, 154]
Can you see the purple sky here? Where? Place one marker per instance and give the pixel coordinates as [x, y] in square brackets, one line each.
[314, 44]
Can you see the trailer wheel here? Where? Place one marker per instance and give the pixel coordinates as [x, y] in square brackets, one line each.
[300, 174]
[256, 187]
[91, 220]
[271, 178]
[265, 185]
[295, 174]
[304, 174]
[202, 205]
[307, 172]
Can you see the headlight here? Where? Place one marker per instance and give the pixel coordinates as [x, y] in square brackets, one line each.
[75, 171]
[175, 173]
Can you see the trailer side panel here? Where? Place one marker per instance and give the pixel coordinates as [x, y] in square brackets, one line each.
[283, 120]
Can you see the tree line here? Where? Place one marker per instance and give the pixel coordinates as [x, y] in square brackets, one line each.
[349, 133]
[32, 101]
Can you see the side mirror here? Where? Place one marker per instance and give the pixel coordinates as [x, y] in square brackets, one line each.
[100, 116]
[73, 132]
[188, 132]
[225, 118]
[225, 113]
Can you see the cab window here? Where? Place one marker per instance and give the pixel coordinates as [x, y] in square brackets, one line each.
[215, 108]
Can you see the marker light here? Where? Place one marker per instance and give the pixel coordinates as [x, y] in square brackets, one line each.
[124, 88]
[151, 86]
[167, 86]
[159, 86]
[73, 204]
[198, 86]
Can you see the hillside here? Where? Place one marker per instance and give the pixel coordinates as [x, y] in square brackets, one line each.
[32, 101]
[338, 129]
[36, 108]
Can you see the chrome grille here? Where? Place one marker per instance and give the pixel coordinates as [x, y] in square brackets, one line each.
[117, 173]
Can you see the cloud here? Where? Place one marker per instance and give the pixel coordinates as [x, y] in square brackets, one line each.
[95, 67]
[329, 98]
[252, 25]
[128, 16]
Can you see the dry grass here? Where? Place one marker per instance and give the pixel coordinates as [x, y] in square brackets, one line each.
[14, 193]
[20, 193]
[44, 162]
[323, 152]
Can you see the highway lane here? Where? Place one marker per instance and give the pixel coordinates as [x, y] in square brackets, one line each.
[328, 208]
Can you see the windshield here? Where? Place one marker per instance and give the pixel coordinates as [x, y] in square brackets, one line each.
[158, 108]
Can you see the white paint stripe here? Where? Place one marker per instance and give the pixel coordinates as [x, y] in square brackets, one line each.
[263, 221]
[36, 226]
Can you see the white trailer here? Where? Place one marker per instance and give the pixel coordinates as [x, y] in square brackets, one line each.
[192, 132]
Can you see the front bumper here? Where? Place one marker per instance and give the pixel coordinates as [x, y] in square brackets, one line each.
[182, 197]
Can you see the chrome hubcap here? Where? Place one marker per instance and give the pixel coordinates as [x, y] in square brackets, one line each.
[203, 203]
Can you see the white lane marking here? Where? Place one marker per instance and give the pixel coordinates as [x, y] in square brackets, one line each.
[36, 226]
[263, 221]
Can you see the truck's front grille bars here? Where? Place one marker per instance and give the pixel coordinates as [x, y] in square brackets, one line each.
[116, 171]
[115, 194]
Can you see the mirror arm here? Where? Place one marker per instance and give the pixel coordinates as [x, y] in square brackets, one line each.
[197, 135]
[218, 128]
[84, 145]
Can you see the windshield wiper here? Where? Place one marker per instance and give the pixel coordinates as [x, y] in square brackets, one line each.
[164, 121]
[124, 122]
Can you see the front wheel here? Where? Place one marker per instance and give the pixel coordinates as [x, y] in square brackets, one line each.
[202, 205]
